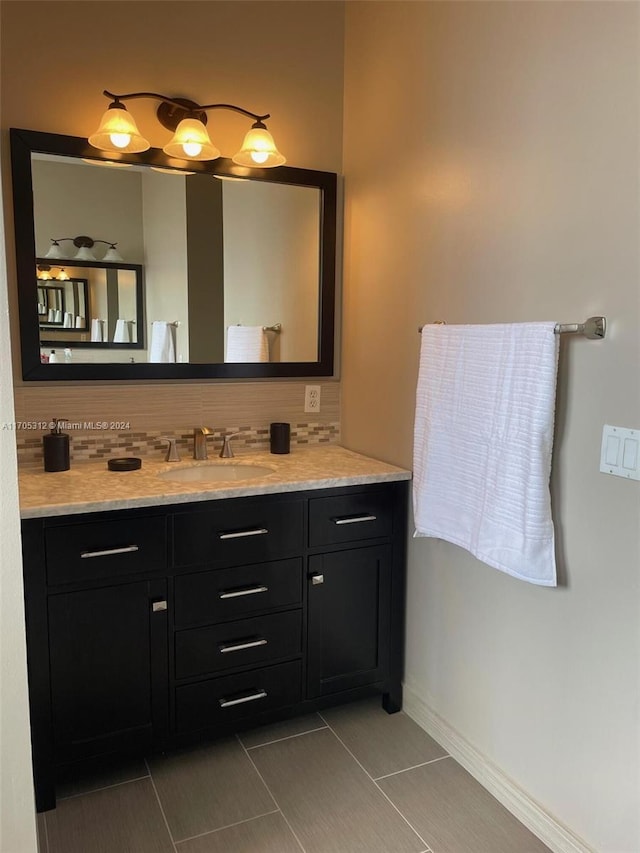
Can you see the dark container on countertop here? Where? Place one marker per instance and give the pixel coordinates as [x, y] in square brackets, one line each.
[280, 437]
[56, 449]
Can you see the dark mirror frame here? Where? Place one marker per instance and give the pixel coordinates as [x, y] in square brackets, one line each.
[26, 142]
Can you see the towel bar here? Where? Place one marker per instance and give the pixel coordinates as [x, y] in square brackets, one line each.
[595, 328]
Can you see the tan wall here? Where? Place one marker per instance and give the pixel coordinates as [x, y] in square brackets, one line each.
[17, 823]
[491, 174]
[278, 57]
[278, 281]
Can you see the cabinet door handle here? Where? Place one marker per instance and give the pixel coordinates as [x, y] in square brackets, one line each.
[158, 606]
[353, 519]
[84, 555]
[238, 647]
[227, 703]
[250, 590]
[258, 531]
[317, 579]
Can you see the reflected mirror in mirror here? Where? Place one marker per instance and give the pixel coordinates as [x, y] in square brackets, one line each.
[89, 307]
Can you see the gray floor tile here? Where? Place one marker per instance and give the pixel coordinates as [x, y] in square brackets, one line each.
[276, 731]
[268, 834]
[455, 814]
[383, 743]
[43, 847]
[101, 774]
[122, 819]
[330, 802]
[208, 787]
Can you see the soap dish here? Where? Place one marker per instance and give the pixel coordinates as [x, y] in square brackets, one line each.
[125, 463]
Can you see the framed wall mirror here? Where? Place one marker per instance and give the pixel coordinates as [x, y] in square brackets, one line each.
[213, 270]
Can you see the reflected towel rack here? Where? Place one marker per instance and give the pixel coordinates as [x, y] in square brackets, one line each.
[594, 328]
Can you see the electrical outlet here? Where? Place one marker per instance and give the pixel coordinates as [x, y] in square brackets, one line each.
[312, 398]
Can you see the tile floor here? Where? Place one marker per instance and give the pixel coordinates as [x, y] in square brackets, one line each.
[349, 780]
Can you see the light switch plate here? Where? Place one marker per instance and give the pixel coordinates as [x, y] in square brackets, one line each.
[620, 452]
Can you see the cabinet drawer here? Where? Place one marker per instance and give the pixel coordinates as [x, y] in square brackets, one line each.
[100, 549]
[201, 705]
[231, 593]
[235, 644]
[238, 532]
[347, 518]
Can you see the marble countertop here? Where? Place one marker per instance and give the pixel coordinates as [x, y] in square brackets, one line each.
[91, 487]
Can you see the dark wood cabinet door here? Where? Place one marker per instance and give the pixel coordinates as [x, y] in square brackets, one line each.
[348, 619]
[103, 672]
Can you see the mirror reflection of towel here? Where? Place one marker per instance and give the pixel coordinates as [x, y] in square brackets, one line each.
[68, 320]
[163, 342]
[96, 330]
[121, 334]
[247, 344]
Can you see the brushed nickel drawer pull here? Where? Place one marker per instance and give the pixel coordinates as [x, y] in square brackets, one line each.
[250, 590]
[227, 703]
[259, 531]
[238, 647]
[84, 555]
[353, 519]
[158, 606]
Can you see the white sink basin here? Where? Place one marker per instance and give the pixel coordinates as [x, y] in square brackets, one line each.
[216, 472]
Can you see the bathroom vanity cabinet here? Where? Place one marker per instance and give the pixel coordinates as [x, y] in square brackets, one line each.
[154, 627]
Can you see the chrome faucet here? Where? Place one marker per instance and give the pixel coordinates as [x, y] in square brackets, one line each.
[227, 450]
[200, 442]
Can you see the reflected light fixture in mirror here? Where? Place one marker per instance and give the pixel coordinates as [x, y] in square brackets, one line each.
[84, 246]
[46, 273]
[118, 132]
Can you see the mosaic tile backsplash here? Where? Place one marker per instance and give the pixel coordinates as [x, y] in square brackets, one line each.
[91, 446]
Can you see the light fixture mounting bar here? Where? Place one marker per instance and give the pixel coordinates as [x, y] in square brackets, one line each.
[183, 104]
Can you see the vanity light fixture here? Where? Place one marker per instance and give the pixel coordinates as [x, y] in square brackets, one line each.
[44, 273]
[84, 246]
[119, 133]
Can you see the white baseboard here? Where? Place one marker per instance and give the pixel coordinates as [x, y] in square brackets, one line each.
[556, 836]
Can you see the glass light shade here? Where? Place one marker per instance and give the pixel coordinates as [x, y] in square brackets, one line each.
[118, 132]
[259, 150]
[55, 251]
[62, 275]
[112, 255]
[191, 142]
[84, 253]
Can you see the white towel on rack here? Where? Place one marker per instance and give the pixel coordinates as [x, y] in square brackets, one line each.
[121, 333]
[163, 342]
[247, 344]
[68, 320]
[97, 335]
[483, 438]
[79, 322]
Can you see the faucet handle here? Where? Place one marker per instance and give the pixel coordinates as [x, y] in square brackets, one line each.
[227, 450]
[172, 450]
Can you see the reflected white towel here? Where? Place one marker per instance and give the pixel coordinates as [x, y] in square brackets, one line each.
[121, 333]
[163, 343]
[247, 344]
[51, 316]
[68, 320]
[79, 322]
[483, 438]
[96, 330]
